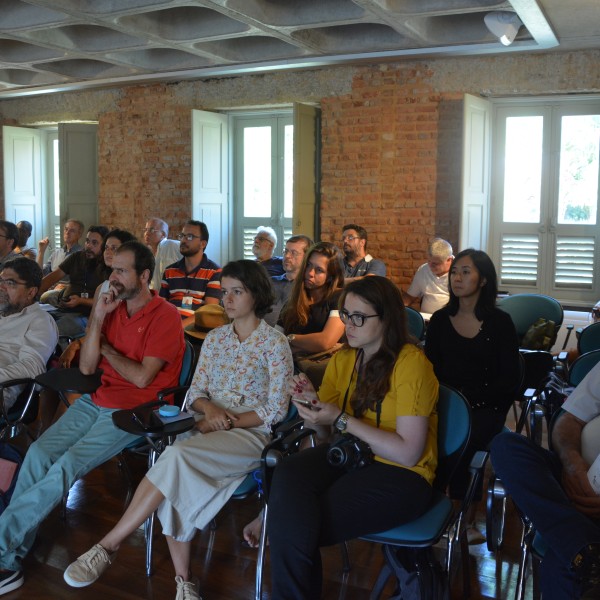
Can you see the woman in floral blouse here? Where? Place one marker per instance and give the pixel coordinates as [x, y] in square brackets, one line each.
[238, 392]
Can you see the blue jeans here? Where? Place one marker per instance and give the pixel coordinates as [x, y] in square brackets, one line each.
[531, 475]
[83, 438]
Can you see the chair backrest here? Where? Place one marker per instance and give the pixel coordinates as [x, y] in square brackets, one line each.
[582, 366]
[526, 309]
[188, 364]
[416, 324]
[454, 430]
[589, 339]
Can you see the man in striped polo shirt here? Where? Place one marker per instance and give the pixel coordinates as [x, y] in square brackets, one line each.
[194, 280]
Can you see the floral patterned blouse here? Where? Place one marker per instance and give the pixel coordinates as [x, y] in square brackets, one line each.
[243, 376]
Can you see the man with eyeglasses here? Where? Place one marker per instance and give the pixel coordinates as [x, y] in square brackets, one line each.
[263, 247]
[135, 340]
[357, 263]
[9, 238]
[86, 272]
[194, 280]
[28, 334]
[293, 255]
[166, 251]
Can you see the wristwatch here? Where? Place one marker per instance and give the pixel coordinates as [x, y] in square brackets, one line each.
[291, 337]
[341, 423]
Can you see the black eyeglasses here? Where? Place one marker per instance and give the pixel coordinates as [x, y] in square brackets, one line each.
[357, 319]
[188, 236]
[596, 312]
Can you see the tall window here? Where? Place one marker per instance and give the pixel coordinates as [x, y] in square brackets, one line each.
[544, 225]
[263, 181]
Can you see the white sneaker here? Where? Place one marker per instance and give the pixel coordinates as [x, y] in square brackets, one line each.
[88, 567]
[186, 590]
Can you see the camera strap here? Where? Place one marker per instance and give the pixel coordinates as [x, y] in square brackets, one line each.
[356, 368]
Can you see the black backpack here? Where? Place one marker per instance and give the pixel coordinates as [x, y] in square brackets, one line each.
[418, 574]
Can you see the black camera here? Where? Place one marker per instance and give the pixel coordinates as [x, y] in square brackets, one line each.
[349, 452]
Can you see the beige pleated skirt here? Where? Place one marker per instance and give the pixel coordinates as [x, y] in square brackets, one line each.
[199, 473]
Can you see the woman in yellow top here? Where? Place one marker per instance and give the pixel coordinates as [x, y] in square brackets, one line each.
[380, 394]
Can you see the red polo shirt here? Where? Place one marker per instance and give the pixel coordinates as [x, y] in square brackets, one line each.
[153, 331]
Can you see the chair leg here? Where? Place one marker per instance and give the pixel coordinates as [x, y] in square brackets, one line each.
[260, 561]
[346, 566]
[149, 535]
[495, 514]
[149, 522]
[522, 574]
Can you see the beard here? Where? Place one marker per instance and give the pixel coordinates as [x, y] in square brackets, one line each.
[6, 308]
[187, 251]
[350, 254]
[125, 293]
[91, 257]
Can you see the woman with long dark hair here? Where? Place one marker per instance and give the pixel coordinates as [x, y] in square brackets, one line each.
[381, 389]
[238, 392]
[473, 347]
[310, 317]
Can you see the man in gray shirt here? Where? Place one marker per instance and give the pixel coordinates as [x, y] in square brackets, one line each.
[357, 263]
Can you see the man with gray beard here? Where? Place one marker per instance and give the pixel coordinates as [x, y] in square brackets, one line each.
[135, 337]
[28, 334]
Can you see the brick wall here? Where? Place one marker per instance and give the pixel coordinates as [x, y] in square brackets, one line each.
[387, 164]
[390, 139]
[144, 159]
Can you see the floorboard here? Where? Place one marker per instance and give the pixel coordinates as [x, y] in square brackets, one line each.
[225, 568]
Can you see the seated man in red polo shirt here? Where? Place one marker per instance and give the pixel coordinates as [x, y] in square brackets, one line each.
[135, 337]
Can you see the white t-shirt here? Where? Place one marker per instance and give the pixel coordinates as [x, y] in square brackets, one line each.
[584, 400]
[432, 290]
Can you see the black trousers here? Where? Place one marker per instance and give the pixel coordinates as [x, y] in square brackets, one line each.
[312, 504]
[486, 423]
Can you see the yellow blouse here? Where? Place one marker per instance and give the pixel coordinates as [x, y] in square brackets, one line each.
[413, 392]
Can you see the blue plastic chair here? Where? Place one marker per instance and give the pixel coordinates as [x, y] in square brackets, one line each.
[526, 309]
[416, 323]
[589, 339]
[582, 366]
[454, 427]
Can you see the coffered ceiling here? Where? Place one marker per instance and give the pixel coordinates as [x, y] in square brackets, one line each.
[53, 45]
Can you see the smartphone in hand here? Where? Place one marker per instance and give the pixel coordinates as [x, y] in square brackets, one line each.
[307, 403]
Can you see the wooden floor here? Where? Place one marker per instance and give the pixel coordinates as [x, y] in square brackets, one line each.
[224, 567]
